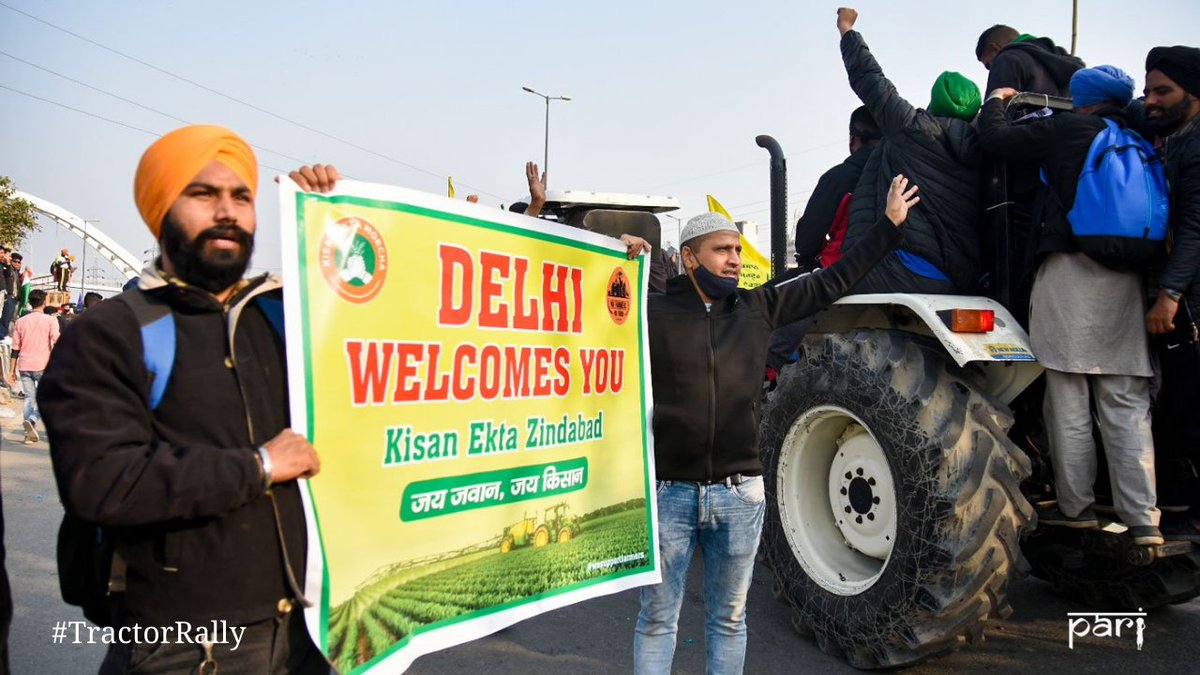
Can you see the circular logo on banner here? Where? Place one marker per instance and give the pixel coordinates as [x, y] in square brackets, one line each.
[618, 296]
[353, 259]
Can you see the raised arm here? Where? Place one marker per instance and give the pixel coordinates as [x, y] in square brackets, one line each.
[890, 110]
[1025, 141]
[808, 294]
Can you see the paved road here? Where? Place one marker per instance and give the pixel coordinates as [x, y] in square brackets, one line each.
[594, 637]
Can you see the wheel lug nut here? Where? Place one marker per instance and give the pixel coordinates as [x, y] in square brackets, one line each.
[871, 482]
[847, 509]
[844, 491]
[871, 516]
[858, 519]
[859, 471]
[874, 500]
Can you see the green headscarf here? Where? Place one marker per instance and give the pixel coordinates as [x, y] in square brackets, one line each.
[955, 96]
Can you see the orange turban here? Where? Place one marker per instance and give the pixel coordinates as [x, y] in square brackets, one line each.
[174, 160]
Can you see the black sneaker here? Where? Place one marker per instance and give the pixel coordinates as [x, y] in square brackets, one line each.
[1052, 516]
[1146, 535]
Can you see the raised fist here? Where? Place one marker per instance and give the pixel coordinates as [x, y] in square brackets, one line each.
[846, 18]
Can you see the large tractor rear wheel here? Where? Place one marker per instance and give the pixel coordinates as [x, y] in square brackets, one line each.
[541, 537]
[894, 512]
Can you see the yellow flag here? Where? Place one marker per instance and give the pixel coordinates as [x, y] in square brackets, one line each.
[756, 269]
[450, 187]
[714, 206]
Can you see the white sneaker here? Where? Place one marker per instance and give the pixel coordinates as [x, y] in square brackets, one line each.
[31, 434]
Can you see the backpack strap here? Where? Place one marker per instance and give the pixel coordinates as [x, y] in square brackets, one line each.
[157, 326]
[272, 308]
[1139, 144]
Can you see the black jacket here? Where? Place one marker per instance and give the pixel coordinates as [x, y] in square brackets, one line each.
[1182, 165]
[1060, 145]
[706, 366]
[9, 280]
[831, 188]
[1036, 65]
[939, 154]
[179, 488]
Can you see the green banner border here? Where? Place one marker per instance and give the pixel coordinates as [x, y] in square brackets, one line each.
[302, 199]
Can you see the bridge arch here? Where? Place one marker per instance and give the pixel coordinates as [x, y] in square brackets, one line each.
[92, 236]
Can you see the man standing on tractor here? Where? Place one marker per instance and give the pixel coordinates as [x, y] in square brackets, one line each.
[1026, 63]
[1172, 110]
[708, 342]
[1079, 326]
[936, 148]
[821, 230]
[61, 270]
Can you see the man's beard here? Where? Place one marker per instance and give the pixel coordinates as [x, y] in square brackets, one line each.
[1171, 117]
[212, 271]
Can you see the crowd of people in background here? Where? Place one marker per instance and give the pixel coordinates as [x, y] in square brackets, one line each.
[30, 326]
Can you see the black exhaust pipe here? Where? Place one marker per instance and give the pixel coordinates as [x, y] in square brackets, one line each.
[779, 222]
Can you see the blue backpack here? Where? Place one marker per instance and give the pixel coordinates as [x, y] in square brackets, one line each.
[157, 326]
[1120, 214]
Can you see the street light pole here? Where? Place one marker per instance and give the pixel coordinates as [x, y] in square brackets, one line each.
[546, 142]
[83, 270]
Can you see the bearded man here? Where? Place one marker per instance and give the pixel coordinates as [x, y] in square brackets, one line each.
[189, 471]
[1173, 116]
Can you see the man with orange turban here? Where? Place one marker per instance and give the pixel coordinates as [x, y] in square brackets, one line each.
[167, 416]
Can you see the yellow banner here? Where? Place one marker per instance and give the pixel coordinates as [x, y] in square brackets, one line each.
[756, 269]
[476, 385]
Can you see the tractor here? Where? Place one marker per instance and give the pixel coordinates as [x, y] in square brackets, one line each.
[905, 460]
[556, 526]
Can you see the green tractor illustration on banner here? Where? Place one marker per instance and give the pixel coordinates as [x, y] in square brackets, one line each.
[557, 525]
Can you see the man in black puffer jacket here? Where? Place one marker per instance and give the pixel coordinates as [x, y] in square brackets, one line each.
[936, 149]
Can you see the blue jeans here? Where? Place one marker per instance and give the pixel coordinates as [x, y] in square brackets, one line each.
[726, 522]
[6, 315]
[29, 384]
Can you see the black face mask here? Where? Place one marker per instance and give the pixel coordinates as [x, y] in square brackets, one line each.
[213, 272]
[713, 286]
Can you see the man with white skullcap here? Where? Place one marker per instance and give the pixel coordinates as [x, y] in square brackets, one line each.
[708, 347]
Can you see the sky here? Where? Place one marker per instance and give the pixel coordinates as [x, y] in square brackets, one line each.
[667, 98]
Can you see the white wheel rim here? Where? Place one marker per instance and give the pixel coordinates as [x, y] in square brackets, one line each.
[840, 529]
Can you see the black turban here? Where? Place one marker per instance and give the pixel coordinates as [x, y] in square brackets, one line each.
[1181, 64]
